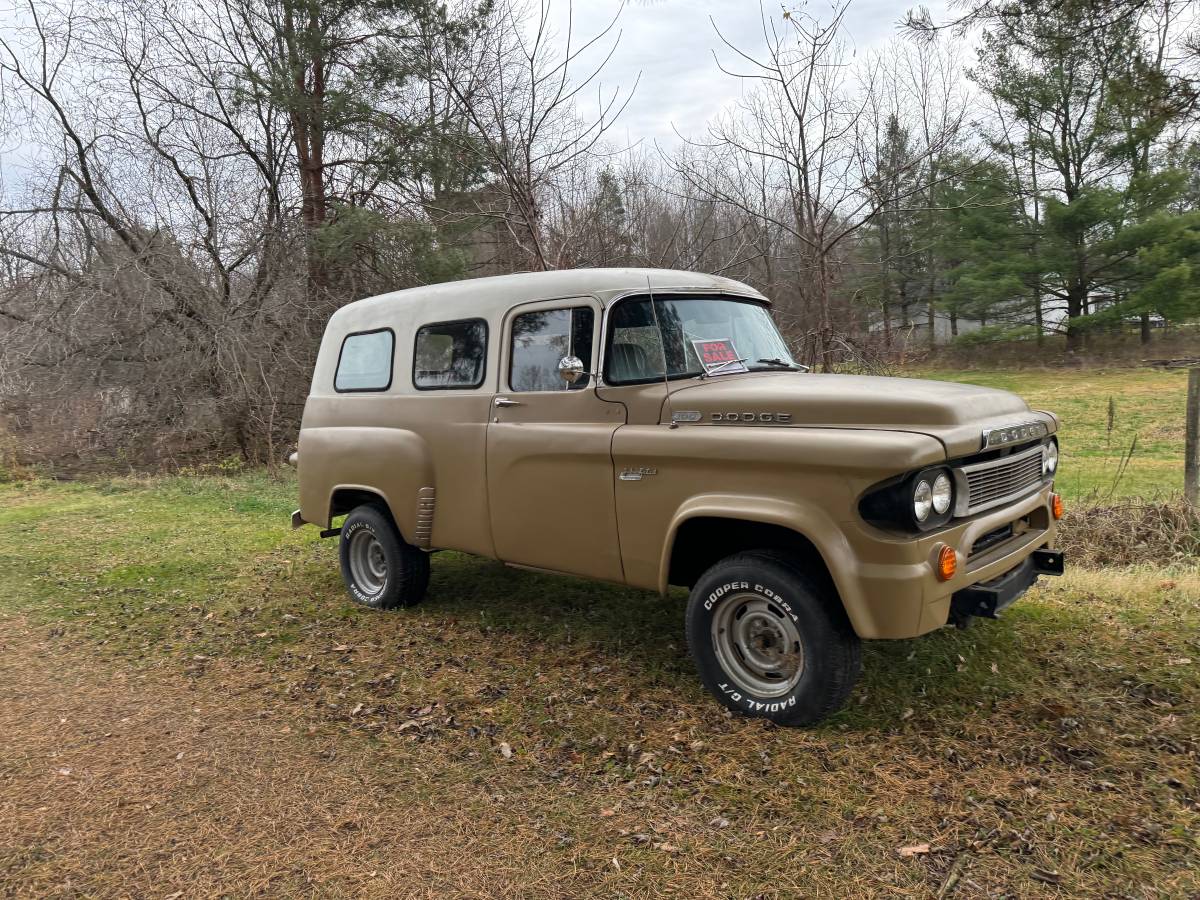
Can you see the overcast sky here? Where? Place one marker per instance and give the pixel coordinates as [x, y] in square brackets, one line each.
[671, 43]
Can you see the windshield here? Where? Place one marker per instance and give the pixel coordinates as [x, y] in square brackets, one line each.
[701, 335]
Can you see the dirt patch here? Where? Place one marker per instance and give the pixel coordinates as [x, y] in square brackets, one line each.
[143, 782]
[336, 771]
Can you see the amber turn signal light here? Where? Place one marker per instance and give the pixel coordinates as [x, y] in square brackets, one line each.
[1056, 505]
[947, 563]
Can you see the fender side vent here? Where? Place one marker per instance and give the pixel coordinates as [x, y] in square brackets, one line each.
[426, 501]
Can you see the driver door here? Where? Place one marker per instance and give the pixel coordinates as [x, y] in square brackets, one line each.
[549, 446]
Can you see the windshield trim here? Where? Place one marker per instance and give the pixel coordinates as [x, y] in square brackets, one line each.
[674, 295]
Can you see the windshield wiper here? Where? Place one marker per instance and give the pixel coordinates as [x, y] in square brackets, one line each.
[715, 369]
[776, 363]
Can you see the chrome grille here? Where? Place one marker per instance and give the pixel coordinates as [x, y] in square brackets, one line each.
[997, 481]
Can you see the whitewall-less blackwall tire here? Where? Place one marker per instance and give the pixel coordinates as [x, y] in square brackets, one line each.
[770, 641]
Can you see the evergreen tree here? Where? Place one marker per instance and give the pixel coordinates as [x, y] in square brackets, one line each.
[1080, 107]
[981, 237]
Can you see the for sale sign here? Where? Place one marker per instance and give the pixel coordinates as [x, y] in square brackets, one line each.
[719, 357]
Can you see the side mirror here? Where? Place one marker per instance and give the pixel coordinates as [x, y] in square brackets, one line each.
[570, 369]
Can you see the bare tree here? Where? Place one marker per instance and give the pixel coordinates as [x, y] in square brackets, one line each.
[521, 100]
[803, 131]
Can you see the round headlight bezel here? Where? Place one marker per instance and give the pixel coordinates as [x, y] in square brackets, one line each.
[923, 482]
[896, 502]
[943, 497]
[1049, 458]
[922, 500]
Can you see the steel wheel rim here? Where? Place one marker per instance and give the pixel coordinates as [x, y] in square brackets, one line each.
[368, 563]
[758, 645]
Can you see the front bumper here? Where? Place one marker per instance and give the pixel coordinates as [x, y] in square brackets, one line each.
[891, 590]
[990, 597]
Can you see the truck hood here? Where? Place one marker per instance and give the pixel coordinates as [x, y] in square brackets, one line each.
[955, 414]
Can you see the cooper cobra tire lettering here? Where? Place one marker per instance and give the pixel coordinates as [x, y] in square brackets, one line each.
[723, 590]
[830, 649]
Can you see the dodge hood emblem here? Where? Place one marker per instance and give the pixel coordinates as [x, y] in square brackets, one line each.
[1013, 434]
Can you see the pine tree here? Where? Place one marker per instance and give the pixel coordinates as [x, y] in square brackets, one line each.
[1079, 107]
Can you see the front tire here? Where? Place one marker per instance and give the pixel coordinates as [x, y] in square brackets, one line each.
[770, 641]
[379, 569]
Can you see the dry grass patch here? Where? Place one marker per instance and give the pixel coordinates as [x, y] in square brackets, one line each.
[1133, 531]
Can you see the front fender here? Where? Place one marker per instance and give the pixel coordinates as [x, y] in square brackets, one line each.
[807, 520]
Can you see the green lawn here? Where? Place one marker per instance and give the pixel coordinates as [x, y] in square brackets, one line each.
[1147, 405]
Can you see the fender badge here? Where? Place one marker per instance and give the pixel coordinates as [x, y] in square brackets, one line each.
[686, 415]
[637, 474]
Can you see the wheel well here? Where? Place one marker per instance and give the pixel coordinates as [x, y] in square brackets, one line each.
[703, 541]
[345, 500]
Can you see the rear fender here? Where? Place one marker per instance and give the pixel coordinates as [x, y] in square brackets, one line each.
[393, 463]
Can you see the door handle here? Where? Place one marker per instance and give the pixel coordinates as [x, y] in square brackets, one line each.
[504, 401]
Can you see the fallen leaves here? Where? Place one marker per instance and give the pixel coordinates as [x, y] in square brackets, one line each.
[913, 850]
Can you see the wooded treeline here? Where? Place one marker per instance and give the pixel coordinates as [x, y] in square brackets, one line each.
[201, 184]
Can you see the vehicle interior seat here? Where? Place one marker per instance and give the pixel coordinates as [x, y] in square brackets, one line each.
[629, 362]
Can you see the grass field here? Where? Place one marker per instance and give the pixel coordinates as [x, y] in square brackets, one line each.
[1147, 415]
[192, 707]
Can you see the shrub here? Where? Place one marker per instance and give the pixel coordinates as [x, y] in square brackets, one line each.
[1095, 535]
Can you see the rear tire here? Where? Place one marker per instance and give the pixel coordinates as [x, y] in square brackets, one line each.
[379, 569]
[770, 641]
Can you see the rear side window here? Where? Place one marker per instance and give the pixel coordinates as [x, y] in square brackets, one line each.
[540, 339]
[365, 363]
[450, 355]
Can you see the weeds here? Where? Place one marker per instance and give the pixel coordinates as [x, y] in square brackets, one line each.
[1098, 533]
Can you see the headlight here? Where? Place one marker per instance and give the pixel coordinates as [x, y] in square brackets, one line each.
[943, 493]
[1049, 458]
[922, 500]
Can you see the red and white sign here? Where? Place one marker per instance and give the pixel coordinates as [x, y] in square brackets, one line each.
[719, 357]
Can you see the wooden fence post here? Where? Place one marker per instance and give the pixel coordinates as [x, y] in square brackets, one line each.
[1191, 462]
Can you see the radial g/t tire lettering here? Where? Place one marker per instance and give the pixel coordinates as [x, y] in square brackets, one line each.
[379, 569]
[770, 641]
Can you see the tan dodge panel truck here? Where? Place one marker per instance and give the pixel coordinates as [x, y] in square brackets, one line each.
[650, 428]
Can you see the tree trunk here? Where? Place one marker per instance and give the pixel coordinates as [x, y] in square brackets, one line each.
[308, 130]
[1038, 321]
[826, 322]
[1145, 328]
[1076, 304]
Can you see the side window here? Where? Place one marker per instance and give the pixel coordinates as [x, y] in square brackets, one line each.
[450, 355]
[635, 352]
[365, 361]
[540, 339]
